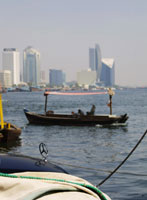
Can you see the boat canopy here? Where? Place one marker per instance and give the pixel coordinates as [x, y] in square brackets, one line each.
[74, 93]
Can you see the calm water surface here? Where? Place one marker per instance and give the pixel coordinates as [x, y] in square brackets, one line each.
[94, 150]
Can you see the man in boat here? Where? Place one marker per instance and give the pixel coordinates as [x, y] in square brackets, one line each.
[80, 112]
[92, 111]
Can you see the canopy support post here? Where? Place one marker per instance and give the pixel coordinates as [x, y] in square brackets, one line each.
[45, 102]
[111, 93]
[110, 98]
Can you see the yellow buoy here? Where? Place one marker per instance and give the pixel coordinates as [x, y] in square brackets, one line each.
[1, 113]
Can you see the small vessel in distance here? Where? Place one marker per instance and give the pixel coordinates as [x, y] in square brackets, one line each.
[8, 131]
[73, 119]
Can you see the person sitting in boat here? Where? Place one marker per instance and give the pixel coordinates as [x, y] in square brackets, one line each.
[80, 112]
[74, 114]
[49, 112]
[92, 111]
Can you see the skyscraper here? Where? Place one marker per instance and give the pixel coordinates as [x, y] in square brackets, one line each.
[98, 62]
[92, 59]
[31, 66]
[108, 72]
[11, 62]
[95, 63]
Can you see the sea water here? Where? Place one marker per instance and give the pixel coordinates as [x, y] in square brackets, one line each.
[88, 152]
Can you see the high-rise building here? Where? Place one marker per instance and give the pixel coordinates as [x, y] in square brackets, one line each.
[108, 72]
[95, 63]
[56, 77]
[5, 79]
[11, 62]
[31, 66]
[98, 62]
[92, 59]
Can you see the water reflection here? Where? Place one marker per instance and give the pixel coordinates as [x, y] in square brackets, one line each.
[5, 147]
[122, 127]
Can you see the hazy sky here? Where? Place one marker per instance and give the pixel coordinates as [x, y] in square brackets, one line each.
[63, 31]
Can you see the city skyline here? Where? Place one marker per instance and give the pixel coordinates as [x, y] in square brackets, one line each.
[64, 31]
[32, 74]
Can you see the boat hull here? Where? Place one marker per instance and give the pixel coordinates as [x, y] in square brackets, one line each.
[74, 120]
[10, 134]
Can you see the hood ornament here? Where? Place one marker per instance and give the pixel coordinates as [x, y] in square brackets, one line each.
[43, 151]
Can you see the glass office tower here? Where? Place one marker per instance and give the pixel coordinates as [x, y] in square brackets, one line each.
[95, 63]
[31, 66]
[108, 72]
[56, 77]
[11, 62]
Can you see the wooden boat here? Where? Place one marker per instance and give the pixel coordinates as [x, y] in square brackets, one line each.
[51, 118]
[73, 119]
[8, 131]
